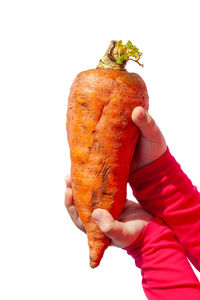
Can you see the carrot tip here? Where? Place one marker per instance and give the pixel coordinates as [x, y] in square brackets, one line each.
[93, 264]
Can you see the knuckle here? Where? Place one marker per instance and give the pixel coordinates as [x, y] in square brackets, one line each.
[106, 227]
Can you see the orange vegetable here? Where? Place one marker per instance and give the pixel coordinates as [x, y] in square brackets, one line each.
[102, 138]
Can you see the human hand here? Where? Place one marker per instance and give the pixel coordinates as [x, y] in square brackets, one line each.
[151, 144]
[122, 232]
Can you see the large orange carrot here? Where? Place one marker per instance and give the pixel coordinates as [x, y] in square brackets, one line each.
[102, 137]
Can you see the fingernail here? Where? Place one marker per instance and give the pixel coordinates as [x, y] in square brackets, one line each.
[141, 114]
[97, 215]
[138, 114]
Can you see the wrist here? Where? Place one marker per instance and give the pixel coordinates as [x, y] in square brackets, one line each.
[151, 231]
[153, 158]
[165, 163]
[147, 157]
[140, 233]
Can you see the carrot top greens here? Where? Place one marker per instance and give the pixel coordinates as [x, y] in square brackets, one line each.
[118, 55]
[126, 52]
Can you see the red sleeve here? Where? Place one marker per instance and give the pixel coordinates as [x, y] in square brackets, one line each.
[165, 191]
[166, 272]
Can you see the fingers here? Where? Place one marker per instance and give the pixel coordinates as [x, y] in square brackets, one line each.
[70, 206]
[69, 202]
[68, 181]
[110, 227]
[68, 192]
[151, 144]
[146, 124]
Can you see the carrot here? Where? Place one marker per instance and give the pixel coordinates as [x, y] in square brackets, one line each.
[102, 137]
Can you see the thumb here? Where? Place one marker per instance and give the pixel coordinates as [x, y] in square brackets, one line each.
[110, 227]
[146, 124]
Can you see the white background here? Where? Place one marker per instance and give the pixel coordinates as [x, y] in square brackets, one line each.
[44, 44]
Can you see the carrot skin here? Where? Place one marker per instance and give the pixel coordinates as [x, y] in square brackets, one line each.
[102, 140]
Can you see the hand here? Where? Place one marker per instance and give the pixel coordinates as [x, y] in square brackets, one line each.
[122, 232]
[151, 144]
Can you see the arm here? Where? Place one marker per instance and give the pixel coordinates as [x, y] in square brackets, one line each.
[166, 273]
[165, 270]
[165, 191]
[161, 186]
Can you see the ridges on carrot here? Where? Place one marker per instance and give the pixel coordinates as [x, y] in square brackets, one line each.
[102, 138]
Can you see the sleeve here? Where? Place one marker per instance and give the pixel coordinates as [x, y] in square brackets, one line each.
[166, 272]
[165, 191]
